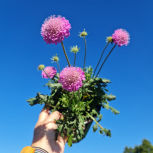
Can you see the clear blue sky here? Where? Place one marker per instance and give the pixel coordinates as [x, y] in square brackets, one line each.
[129, 68]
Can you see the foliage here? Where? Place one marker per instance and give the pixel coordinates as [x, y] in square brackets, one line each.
[145, 147]
[79, 108]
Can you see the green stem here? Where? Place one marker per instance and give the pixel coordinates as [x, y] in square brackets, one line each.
[85, 53]
[95, 121]
[65, 53]
[102, 53]
[58, 67]
[106, 59]
[74, 58]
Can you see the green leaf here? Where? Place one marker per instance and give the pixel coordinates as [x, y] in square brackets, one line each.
[106, 106]
[114, 110]
[106, 80]
[110, 97]
[70, 141]
[100, 117]
[32, 101]
[53, 85]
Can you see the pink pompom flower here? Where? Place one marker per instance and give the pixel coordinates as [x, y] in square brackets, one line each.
[121, 37]
[71, 78]
[55, 29]
[49, 72]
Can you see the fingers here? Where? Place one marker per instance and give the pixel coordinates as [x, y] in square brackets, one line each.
[51, 120]
[54, 116]
[61, 140]
[43, 115]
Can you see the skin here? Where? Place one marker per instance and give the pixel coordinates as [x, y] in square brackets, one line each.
[45, 133]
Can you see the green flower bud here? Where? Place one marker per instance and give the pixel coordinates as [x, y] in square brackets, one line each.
[41, 67]
[95, 127]
[55, 58]
[101, 131]
[109, 39]
[83, 33]
[74, 49]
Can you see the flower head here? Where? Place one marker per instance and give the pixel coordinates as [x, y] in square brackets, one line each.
[41, 67]
[55, 29]
[74, 49]
[71, 78]
[121, 37]
[55, 58]
[83, 33]
[49, 72]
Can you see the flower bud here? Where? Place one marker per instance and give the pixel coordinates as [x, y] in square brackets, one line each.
[109, 39]
[95, 127]
[83, 33]
[74, 49]
[55, 58]
[41, 67]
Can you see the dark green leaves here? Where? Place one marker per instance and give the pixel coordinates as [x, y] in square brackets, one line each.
[110, 97]
[39, 99]
[70, 141]
[79, 108]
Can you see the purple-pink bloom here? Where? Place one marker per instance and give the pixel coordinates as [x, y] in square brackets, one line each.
[71, 78]
[55, 29]
[49, 72]
[121, 37]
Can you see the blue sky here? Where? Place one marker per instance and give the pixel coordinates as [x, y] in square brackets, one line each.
[129, 68]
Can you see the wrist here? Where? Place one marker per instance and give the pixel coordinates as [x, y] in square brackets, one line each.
[42, 145]
[39, 150]
[33, 149]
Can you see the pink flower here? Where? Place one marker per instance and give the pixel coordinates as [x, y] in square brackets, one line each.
[55, 29]
[71, 78]
[121, 37]
[49, 72]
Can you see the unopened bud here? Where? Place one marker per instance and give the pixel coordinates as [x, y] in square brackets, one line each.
[74, 49]
[83, 33]
[109, 39]
[55, 58]
[41, 67]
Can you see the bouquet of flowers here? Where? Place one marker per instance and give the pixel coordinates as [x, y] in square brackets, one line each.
[78, 93]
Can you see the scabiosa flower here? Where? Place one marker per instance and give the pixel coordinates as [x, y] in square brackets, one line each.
[121, 37]
[49, 72]
[55, 29]
[71, 78]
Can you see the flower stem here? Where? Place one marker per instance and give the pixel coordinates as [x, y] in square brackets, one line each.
[47, 74]
[65, 53]
[102, 53]
[58, 67]
[74, 58]
[95, 121]
[85, 53]
[106, 59]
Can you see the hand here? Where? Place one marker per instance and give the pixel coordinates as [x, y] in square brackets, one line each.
[45, 134]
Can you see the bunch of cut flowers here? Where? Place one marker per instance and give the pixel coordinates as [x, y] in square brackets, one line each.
[78, 93]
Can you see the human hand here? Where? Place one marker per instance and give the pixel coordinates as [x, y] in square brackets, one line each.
[45, 133]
